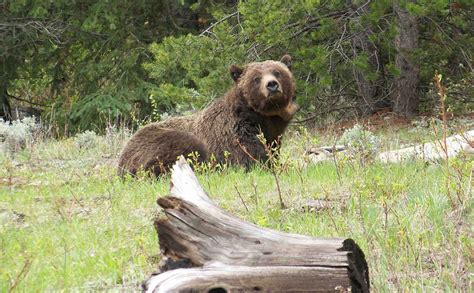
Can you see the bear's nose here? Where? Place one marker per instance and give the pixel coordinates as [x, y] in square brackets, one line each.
[272, 86]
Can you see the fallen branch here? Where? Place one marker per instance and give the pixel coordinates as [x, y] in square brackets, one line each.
[434, 151]
[214, 250]
[429, 152]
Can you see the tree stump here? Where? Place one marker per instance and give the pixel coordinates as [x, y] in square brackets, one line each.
[205, 249]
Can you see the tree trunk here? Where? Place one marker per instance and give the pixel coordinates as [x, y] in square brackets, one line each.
[233, 255]
[405, 95]
[371, 91]
[5, 108]
[7, 72]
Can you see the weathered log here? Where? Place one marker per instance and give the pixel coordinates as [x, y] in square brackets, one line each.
[434, 151]
[232, 255]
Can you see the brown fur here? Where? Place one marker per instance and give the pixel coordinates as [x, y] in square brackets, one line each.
[231, 123]
[155, 149]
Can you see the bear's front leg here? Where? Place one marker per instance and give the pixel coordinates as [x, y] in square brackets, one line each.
[251, 151]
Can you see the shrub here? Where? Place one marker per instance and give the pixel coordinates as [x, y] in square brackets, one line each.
[361, 143]
[15, 136]
[86, 139]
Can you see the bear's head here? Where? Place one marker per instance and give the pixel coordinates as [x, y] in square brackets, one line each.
[268, 87]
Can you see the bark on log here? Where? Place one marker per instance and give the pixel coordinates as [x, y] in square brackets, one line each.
[225, 278]
[227, 254]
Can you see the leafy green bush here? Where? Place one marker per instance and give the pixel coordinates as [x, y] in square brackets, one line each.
[191, 70]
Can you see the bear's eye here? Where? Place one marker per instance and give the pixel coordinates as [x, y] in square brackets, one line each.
[276, 73]
[256, 79]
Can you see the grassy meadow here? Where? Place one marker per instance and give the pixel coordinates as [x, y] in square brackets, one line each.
[68, 223]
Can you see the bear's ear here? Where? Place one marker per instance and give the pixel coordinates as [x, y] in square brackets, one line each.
[286, 59]
[235, 72]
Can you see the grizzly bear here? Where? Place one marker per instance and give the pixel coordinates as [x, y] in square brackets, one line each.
[262, 100]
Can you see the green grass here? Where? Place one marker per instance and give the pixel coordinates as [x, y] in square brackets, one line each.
[69, 223]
